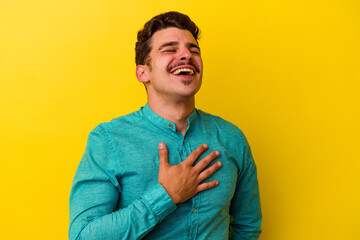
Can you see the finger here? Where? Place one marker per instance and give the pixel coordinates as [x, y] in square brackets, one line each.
[206, 186]
[195, 154]
[208, 172]
[163, 155]
[205, 161]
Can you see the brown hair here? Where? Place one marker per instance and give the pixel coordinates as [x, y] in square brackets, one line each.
[159, 22]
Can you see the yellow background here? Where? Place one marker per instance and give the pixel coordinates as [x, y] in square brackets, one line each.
[286, 72]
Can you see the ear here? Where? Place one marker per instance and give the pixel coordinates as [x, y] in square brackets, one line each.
[142, 73]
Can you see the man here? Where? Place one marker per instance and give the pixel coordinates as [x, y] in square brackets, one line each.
[152, 174]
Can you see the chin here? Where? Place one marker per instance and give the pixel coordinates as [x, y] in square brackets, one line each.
[186, 82]
[190, 92]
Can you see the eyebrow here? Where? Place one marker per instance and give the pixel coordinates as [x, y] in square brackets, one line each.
[174, 43]
[168, 44]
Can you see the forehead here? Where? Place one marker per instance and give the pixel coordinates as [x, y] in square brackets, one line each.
[172, 35]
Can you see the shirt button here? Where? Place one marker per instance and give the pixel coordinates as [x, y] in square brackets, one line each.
[194, 210]
[170, 125]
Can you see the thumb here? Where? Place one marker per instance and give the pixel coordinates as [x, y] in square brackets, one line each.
[163, 155]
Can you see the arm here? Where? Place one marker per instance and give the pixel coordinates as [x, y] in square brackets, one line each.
[245, 208]
[95, 194]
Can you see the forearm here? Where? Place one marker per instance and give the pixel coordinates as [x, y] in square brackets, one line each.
[132, 222]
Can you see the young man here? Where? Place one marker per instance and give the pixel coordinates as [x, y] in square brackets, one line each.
[152, 174]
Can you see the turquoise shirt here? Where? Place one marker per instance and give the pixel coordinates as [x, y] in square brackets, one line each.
[116, 194]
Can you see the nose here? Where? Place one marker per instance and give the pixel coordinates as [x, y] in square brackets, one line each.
[185, 54]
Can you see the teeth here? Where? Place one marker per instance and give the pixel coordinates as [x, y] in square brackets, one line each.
[178, 71]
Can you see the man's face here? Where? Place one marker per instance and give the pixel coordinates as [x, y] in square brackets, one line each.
[176, 65]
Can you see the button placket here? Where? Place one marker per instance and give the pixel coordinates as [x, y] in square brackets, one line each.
[194, 223]
[195, 216]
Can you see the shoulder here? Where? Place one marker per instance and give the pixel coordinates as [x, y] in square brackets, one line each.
[116, 128]
[221, 125]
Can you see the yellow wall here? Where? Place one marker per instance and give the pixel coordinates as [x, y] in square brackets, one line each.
[286, 72]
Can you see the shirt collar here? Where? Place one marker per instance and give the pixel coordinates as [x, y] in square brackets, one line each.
[162, 122]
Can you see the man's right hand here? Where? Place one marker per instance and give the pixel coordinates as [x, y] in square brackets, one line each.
[183, 181]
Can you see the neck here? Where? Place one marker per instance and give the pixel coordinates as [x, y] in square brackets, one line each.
[176, 112]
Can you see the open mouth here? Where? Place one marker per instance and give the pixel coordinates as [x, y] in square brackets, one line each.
[183, 71]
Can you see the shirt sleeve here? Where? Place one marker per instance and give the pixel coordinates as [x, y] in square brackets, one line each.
[245, 210]
[95, 194]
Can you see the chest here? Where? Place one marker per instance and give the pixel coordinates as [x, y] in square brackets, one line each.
[139, 167]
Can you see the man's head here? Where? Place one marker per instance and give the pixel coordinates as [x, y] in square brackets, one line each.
[168, 58]
[157, 23]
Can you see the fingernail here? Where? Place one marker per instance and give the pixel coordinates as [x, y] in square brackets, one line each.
[217, 183]
[161, 145]
[205, 146]
[217, 153]
[219, 164]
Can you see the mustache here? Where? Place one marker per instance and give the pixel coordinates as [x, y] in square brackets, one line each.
[178, 64]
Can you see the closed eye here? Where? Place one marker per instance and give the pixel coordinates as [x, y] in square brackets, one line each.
[169, 50]
[195, 50]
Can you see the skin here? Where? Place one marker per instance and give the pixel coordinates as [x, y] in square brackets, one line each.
[173, 98]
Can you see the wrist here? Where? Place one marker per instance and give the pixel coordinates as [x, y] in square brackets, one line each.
[172, 195]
